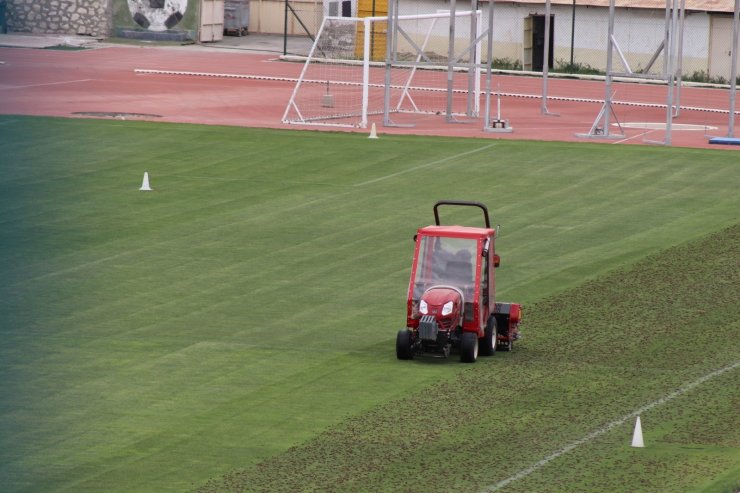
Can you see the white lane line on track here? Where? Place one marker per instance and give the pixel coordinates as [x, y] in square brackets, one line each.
[213, 75]
[425, 165]
[46, 84]
[432, 89]
[604, 429]
[514, 95]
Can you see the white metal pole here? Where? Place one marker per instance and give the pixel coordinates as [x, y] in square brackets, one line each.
[365, 73]
[733, 74]
[666, 35]
[473, 35]
[479, 23]
[389, 46]
[671, 73]
[451, 61]
[679, 57]
[546, 61]
[609, 58]
[489, 68]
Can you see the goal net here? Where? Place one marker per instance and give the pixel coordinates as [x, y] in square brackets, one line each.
[352, 73]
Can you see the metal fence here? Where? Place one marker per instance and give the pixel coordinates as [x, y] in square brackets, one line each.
[578, 41]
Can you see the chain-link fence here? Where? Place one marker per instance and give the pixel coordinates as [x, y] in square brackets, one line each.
[578, 39]
[297, 20]
[578, 33]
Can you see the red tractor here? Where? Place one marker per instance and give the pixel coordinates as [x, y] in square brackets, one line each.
[451, 297]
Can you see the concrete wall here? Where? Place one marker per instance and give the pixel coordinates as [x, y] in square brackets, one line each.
[100, 18]
[92, 17]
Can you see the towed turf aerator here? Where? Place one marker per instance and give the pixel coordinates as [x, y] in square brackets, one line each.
[451, 297]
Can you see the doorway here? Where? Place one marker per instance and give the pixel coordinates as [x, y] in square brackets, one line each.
[720, 46]
[538, 42]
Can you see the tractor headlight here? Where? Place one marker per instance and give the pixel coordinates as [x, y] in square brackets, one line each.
[423, 308]
[447, 308]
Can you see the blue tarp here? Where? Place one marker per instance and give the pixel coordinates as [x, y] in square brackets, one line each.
[733, 141]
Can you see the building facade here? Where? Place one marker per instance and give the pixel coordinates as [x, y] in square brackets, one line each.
[578, 27]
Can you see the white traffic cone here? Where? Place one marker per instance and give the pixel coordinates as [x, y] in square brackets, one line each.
[373, 132]
[145, 183]
[637, 435]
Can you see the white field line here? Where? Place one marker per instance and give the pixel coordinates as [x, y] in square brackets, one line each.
[662, 126]
[425, 165]
[633, 137]
[604, 429]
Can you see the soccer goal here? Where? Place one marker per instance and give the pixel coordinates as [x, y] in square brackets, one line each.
[354, 71]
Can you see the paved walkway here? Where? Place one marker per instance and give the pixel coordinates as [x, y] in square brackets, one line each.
[22, 40]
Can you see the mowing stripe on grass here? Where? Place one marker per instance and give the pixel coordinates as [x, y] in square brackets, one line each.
[604, 429]
[137, 251]
[425, 165]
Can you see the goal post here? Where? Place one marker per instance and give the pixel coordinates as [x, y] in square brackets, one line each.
[333, 86]
[344, 79]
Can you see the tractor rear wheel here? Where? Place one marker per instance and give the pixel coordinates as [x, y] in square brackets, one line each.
[488, 341]
[403, 344]
[469, 347]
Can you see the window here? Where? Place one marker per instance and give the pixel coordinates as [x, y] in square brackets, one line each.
[339, 8]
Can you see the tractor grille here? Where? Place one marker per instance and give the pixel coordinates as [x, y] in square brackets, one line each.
[447, 323]
[428, 328]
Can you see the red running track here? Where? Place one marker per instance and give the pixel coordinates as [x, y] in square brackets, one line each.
[104, 81]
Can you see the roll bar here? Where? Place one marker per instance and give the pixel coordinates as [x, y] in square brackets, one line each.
[463, 203]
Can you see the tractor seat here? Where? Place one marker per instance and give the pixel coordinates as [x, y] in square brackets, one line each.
[458, 272]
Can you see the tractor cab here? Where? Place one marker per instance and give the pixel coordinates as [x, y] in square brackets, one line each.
[451, 296]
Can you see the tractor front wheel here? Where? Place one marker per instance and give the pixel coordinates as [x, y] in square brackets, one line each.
[403, 344]
[488, 341]
[469, 347]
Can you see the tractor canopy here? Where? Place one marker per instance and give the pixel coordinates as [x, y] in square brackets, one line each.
[451, 270]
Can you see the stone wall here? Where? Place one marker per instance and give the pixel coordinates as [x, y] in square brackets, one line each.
[91, 17]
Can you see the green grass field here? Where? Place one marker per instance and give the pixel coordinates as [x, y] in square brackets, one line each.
[234, 329]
